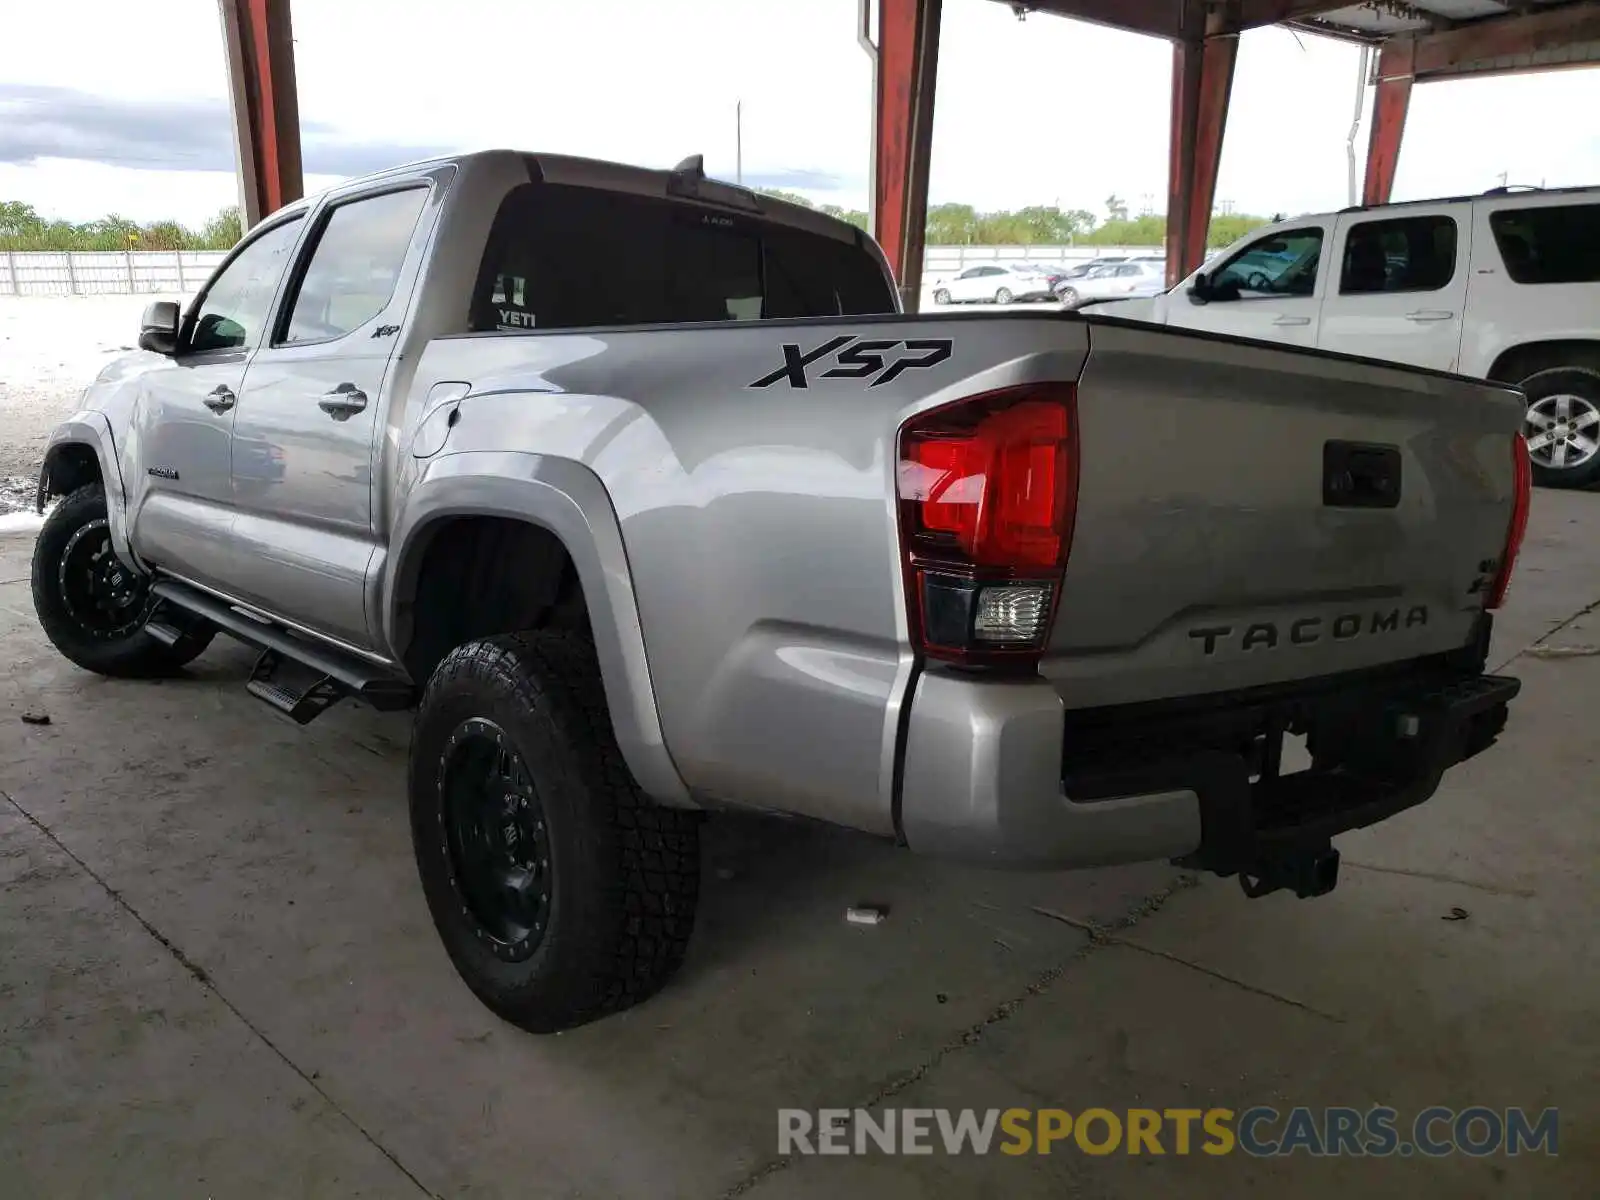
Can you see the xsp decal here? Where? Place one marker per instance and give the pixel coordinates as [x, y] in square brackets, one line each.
[859, 358]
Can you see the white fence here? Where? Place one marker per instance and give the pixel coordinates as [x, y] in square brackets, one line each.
[180, 272]
[97, 272]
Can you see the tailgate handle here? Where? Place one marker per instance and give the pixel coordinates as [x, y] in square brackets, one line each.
[1360, 475]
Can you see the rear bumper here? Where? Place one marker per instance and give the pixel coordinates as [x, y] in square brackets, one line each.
[1000, 773]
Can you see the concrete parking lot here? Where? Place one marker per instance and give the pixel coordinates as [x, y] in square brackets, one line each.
[218, 977]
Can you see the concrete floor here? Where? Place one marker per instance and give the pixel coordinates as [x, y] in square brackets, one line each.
[218, 978]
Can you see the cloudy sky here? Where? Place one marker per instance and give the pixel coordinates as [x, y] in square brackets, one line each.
[130, 113]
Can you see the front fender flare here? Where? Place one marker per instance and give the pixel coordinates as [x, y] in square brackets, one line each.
[91, 429]
[569, 500]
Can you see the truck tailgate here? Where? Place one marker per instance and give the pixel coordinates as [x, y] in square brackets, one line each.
[1209, 552]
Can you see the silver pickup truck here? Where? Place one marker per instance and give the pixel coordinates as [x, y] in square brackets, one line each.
[642, 491]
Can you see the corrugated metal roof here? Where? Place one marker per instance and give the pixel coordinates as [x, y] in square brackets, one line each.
[1381, 18]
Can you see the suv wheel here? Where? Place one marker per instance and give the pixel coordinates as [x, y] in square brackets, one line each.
[561, 892]
[1563, 426]
[92, 606]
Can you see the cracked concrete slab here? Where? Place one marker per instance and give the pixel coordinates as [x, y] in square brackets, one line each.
[276, 860]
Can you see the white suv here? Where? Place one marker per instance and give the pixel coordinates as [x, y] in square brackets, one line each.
[1501, 286]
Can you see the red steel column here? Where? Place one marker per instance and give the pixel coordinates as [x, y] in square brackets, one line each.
[266, 111]
[1202, 83]
[1393, 97]
[908, 58]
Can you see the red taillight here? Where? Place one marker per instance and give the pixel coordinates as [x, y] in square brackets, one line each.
[1521, 501]
[987, 489]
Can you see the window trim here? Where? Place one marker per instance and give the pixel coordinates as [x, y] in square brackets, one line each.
[307, 250]
[192, 317]
[1323, 233]
[1455, 254]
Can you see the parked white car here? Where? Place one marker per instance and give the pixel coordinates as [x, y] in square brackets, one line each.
[1502, 286]
[1137, 277]
[995, 283]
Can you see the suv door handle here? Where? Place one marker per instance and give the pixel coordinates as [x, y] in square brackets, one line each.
[343, 402]
[1429, 314]
[220, 399]
[1293, 321]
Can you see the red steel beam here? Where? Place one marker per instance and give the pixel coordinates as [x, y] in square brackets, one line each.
[1452, 51]
[1202, 82]
[1159, 18]
[1249, 14]
[1396, 73]
[266, 110]
[908, 58]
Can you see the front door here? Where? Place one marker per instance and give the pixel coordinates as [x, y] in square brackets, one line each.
[176, 463]
[1402, 287]
[305, 437]
[1270, 289]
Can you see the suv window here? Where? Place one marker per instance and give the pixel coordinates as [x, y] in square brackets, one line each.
[1281, 264]
[1558, 244]
[1410, 254]
[234, 307]
[354, 266]
[583, 256]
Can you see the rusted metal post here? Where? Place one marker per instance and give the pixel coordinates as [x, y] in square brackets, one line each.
[1202, 83]
[908, 57]
[263, 98]
[1394, 78]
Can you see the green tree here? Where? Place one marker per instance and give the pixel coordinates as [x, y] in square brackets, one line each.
[791, 197]
[953, 225]
[222, 231]
[1116, 207]
[164, 235]
[18, 220]
[1229, 228]
[852, 215]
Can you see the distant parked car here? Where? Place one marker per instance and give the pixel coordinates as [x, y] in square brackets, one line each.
[1138, 277]
[995, 283]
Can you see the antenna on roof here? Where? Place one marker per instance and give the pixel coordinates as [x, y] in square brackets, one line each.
[695, 164]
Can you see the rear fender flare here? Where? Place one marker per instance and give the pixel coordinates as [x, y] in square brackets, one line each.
[569, 500]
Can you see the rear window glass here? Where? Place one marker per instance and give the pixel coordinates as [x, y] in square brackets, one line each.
[562, 257]
[1559, 244]
[1409, 254]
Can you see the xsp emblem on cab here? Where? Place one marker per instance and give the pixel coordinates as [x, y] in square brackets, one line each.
[1307, 631]
[859, 358]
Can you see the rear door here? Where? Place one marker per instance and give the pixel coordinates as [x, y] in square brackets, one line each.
[1271, 289]
[1402, 286]
[308, 420]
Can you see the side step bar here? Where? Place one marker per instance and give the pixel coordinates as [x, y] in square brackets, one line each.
[333, 673]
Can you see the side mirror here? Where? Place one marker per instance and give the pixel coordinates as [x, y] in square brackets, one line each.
[1200, 289]
[158, 328]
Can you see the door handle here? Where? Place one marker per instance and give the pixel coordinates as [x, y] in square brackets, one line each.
[343, 402]
[220, 398]
[1293, 321]
[1429, 314]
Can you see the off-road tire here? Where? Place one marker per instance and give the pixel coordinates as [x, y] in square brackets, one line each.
[129, 654]
[1583, 382]
[624, 871]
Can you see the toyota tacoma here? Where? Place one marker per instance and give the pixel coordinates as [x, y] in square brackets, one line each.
[643, 492]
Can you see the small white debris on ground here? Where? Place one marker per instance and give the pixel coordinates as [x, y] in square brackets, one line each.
[865, 914]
